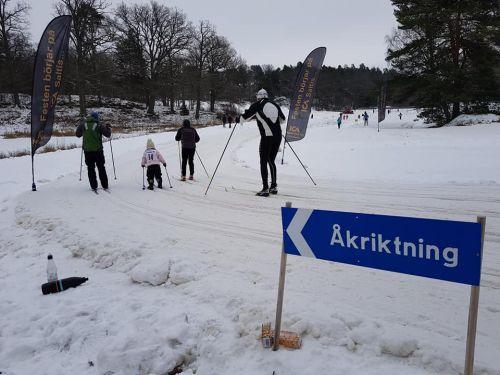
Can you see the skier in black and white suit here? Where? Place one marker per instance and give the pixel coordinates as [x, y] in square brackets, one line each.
[269, 117]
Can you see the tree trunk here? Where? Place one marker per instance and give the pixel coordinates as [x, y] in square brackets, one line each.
[81, 98]
[17, 102]
[171, 86]
[81, 85]
[172, 104]
[164, 100]
[212, 100]
[151, 104]
[446, 111]
[455, 110]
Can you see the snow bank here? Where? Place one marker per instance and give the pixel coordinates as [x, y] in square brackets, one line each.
[465, 120]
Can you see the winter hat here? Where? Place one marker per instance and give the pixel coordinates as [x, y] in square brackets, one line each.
[150, 143]
[186, 123]
[262, 94]
[95, 116]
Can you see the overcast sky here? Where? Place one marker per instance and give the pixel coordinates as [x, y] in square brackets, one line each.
[280, 32]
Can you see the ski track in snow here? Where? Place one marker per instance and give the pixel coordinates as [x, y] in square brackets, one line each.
[180, 278]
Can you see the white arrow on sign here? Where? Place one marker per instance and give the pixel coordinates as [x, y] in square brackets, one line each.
[295, 228]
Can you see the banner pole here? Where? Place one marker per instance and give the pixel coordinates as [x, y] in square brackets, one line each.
[33, 185]
[210, 183]
[281, 290]
[291, 148]
[473, 310]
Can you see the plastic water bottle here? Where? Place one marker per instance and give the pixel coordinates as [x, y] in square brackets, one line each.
[51, 269]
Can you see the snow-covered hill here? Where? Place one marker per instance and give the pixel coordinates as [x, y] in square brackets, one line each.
[180, 279]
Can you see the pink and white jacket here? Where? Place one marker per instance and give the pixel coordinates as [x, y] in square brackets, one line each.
[151, 157]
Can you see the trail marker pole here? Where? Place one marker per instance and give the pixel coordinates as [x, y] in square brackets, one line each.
[281, 290]
[473, 309]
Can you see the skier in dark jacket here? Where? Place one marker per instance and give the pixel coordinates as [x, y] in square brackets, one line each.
[189, 138]
[92, 132]
[269, 117]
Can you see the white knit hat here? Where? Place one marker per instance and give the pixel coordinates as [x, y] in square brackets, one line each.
[150, 143]
[262, 94]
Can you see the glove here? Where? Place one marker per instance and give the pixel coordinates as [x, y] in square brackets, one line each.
[165, 165]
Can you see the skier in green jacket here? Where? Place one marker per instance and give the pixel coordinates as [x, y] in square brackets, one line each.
[92, 132]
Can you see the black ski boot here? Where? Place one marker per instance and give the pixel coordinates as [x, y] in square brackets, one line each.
[273, 190]
[263, 193]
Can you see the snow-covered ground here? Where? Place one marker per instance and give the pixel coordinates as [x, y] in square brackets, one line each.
[179, 278]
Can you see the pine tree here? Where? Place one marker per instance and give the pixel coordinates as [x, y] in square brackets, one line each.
[445, 53]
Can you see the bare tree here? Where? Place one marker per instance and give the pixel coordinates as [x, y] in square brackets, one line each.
[13, 39]
[152, 27]
[199, 52]
[221, 57]
[86, 36]
[179, 36]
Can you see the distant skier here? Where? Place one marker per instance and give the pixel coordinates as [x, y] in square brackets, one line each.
[92, 132]
[188, 137]
[400, 115]
[230, 120]
[152, 159]
[312, 116]
[339, 121]
[269, 117]
[224, 120]
[365, 119]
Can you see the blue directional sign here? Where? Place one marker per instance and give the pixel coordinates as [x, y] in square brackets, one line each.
[439, 249]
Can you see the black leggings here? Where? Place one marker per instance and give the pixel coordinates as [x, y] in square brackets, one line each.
[268, 150]
[154, 171]
[188, 155]
[93, 159]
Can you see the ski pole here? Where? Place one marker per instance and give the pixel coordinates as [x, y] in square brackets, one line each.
[283, 155]
[208, 187]
[81, 161]
[112, 157]
[168, 178]
[180, 165]
[202, 164]
[143, 185]
[291, 148]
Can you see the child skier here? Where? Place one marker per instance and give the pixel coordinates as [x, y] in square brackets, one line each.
[153, 159]
[339, 121]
